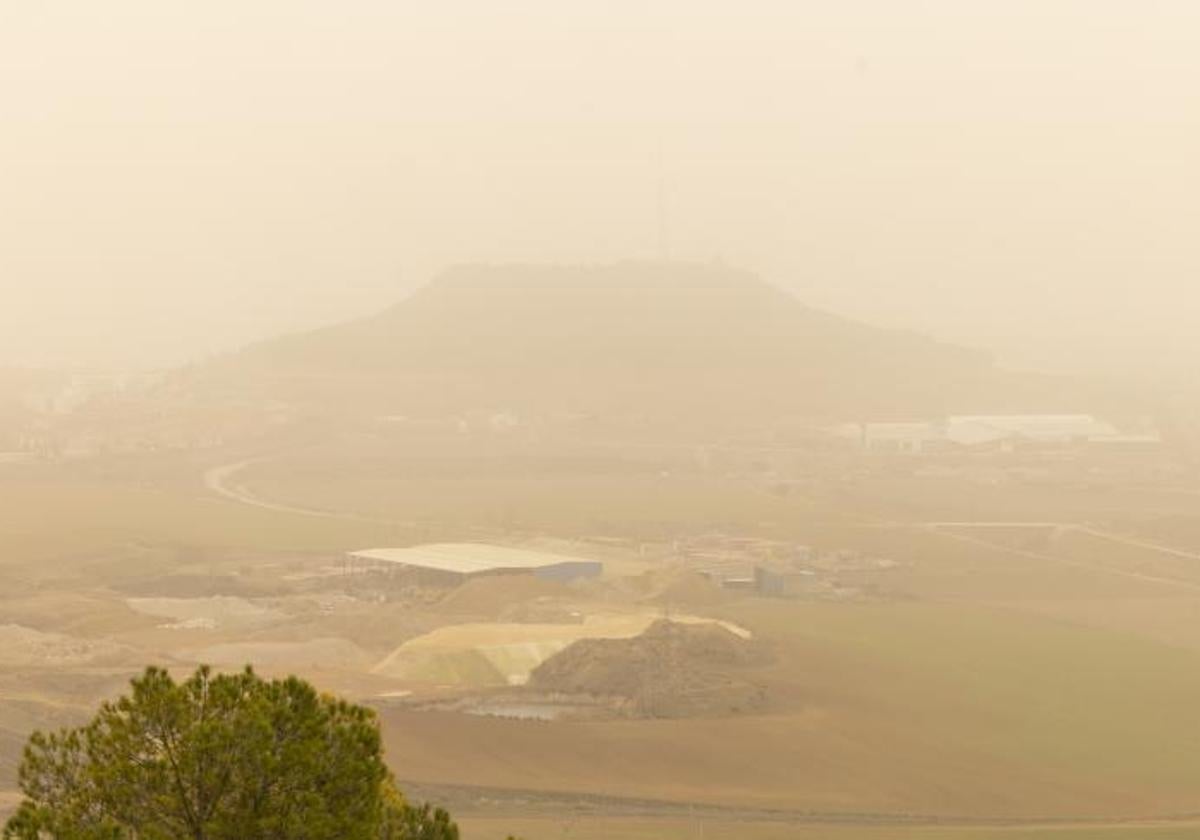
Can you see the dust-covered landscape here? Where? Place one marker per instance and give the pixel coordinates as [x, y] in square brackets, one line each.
[656, 501]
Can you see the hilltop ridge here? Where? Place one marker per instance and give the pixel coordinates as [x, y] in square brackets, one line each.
[651, 338]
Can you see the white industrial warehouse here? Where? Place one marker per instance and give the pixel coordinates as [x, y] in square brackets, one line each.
[456, 562]
[1004, 431]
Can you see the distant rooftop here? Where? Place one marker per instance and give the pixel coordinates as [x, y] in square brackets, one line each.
[1049, 427]
[975, 429]
[467, 558]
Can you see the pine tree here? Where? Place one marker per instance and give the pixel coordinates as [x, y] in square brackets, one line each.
[218, 757]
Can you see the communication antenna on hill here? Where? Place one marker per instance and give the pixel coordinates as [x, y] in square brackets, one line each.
[664, 240]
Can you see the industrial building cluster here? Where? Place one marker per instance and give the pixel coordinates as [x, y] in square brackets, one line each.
[1000, 432]
[774, 567]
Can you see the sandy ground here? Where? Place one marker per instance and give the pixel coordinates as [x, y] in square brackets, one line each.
[25, 647]
[205, 613]
[316, 653]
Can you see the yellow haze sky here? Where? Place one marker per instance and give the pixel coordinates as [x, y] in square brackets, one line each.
[177, 178]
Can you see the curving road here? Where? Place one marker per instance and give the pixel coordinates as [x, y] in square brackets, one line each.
[220, 480]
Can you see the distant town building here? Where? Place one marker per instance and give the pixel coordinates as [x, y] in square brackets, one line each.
[972, 430]
[894, 438]
[981, 431]
[785, 583]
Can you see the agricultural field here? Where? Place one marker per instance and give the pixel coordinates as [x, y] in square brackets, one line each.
[692, 829]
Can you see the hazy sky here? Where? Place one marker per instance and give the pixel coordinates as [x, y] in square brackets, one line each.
[177, 177]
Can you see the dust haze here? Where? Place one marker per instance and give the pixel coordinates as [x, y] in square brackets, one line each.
[1018, 176]
[678, 420]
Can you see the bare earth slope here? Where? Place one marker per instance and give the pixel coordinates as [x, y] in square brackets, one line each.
[655, 339]
[670, 670]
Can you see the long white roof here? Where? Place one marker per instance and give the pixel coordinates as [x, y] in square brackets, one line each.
[1051, 427]
[466, 558]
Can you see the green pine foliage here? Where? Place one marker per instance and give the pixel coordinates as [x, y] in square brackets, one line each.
[218, 757]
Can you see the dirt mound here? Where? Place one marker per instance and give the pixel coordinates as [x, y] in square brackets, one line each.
[91, 615]
[687, 589]
[196, 586]
[671, 670]
[324, 652]
[23, 646]
[491, 653]
[541, 611]
[205, 613]
[490, 596]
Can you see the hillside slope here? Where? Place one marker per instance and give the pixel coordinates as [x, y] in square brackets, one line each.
[629, 338]
[646, 343]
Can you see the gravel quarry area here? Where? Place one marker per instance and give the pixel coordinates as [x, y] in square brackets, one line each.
[370, 635]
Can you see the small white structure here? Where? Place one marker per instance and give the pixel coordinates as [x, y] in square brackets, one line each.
[455, 562]
[895, 438]
[973, 430]
[964, 431]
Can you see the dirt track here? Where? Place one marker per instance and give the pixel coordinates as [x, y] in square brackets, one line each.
[943, 529]
[1132, 542]
[219, 480]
